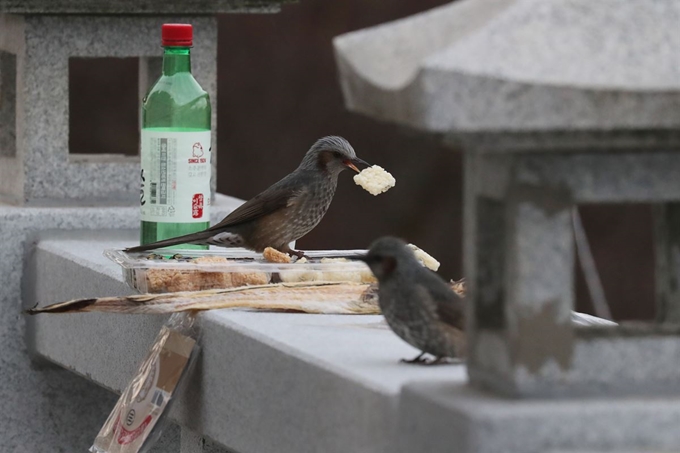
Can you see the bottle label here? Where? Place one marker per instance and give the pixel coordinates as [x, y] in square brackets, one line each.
[176, 170]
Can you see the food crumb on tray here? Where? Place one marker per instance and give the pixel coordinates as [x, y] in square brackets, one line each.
[173, 280]
[274, 256]
[334, 275]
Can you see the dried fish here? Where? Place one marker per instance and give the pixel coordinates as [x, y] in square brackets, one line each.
[306, 297]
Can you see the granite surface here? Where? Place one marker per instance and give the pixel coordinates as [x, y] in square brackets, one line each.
[42, 170]
[140, 7]
[453, 418]
[285, 382]
[519, 262]
[517, 66]
[265, 382]
[45, 405]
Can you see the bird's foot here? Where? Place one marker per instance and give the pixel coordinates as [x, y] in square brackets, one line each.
[420, 360]
[438, 361]
[299, 253]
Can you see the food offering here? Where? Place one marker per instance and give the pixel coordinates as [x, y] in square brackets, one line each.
[375, 180]
[196, 270]
[328, 282]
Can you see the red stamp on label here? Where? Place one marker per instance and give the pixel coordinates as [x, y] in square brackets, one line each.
[126, 437]
[197, 206]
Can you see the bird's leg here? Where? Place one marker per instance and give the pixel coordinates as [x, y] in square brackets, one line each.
[299, 253]
[418, 360]
[439, 360]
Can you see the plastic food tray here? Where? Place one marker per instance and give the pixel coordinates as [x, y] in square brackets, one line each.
[148, 273]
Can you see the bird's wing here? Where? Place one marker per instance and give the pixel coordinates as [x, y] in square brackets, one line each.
[449, 306]
[280, 195]
[452, 313]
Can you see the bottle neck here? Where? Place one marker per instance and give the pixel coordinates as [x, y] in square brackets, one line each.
[176, 59]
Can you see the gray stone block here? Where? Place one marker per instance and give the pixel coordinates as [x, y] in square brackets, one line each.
[140, 7]
[264, 382]
[667, 243]
[526, 65]
[519, 265]
[170, 440]
[8, 95]
[643, 364]
[566, 141]
[47, 407]
[192, 442]
[614, 177]
[521, 286]
[453, 418]
[41, 171]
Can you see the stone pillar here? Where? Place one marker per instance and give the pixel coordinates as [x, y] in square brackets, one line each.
[667, 240]
[519, 261]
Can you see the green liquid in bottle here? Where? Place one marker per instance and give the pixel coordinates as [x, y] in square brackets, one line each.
[176, 151]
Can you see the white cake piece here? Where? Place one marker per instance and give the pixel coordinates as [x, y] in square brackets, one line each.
[375, 180]
[425, 258]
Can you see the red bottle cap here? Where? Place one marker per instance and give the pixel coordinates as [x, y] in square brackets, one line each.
[177, 35]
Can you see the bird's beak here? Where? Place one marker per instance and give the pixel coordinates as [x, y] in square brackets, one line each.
[354, 162]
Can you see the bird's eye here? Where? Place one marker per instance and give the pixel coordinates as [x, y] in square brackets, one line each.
[337, 154]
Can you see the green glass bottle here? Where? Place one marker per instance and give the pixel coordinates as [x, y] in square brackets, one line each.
[175, 148]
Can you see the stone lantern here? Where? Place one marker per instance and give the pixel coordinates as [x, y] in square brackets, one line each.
[554, 103]
[43, 186]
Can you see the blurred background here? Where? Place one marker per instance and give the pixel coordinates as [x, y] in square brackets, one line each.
[278, 93]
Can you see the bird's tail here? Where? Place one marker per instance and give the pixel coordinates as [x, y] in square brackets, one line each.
[193, 238]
